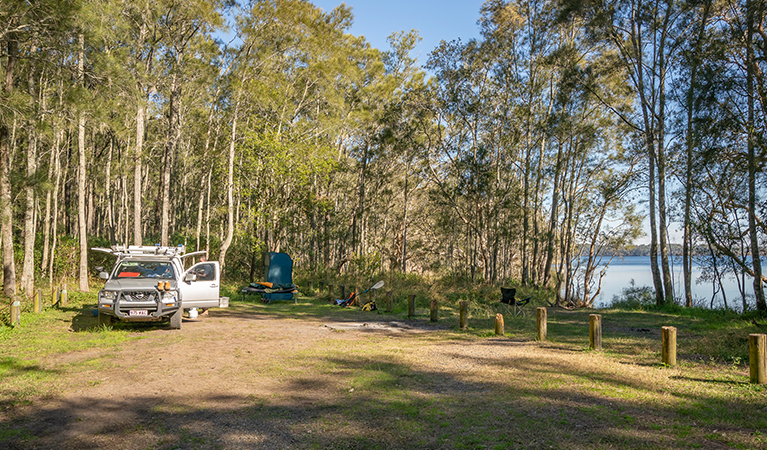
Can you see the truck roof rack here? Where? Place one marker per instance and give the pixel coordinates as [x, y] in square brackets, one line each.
[142, 250]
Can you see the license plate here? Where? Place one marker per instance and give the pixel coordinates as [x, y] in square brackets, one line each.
[138, 312]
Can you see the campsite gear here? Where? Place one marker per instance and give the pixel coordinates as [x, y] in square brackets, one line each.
[508, 297]
[378, 285]
[279, 280]
[370, 306]
[348, 301]
[192, 313]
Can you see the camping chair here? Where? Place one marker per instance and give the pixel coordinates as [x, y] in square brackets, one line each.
[279, 280]
[508, 297]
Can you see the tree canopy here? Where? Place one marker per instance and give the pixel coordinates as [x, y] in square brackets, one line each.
[524, 154]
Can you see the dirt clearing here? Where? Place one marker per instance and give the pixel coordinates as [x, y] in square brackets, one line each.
[242, 379]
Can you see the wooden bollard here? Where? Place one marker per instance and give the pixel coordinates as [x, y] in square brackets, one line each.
[434, 311]
[463, 314]
[343, 291]
[389, 301]
[330, 292]
[411, 305]
[321, 286]
[39, 301]
[311, 287]
[595, 331]
[55, 296]
[15, 312]
[499, 324]
[63, 300]
[668, 349]
[541, 323]
[757, 350]
[36, 301]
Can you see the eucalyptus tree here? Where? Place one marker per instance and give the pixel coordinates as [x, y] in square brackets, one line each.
[291, 82]
[184, 26]
[461, 164]
[647, 39]
[730, 115]
[400, 144]
[29, 33]
[698, 15]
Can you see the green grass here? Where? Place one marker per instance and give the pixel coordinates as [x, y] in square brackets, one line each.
[378, 391]
[31, 352]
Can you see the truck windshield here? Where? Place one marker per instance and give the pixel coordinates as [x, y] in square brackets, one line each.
[144, 269]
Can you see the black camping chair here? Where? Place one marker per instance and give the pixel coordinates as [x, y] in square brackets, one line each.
[508, 297]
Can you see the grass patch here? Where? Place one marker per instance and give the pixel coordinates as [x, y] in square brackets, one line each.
[439, 387]
[47, 346]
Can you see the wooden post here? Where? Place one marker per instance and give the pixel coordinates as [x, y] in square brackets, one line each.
[55, 296]
[311, 287]
[37, 300]
[411, 305]
[434, 311]
[463, 317]
[668, 349]
[541, 322]
[389, 301]
[499, 324]
[321, 287]
[757, 350]
[343, 291]
[595, 331]
[330, 292]
[63, 301]
[16, 312]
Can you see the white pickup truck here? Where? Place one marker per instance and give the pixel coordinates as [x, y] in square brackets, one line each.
[149, 283]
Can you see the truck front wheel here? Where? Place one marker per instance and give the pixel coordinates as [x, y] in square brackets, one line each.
[175, 320]
[105, 319]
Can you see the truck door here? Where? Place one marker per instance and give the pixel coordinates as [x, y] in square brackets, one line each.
[201, 289]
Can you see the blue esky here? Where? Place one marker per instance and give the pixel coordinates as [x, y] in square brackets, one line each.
[435, 20]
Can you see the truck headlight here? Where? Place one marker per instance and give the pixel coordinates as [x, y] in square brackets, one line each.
[169, 297]
[108, 296]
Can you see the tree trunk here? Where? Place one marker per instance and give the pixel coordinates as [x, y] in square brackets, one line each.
[230, 191]
[687, 247]
[649, 134]
[404, 222]
[661, 141]
[81, 212]
[55, 215]
[761, 306]
[170, 150]
[137, 193]
[553, 219]
[28, 268]
[48, 201]
[108, 192]
[6, 198]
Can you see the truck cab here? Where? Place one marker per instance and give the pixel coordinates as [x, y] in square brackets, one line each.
[149, 283]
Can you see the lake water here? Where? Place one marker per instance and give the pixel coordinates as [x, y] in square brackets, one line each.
[637, 268]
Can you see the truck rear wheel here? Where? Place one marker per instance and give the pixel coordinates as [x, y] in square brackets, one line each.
[175, 320]
[105, 319]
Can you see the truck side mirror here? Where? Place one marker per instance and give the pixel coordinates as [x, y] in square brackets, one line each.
[190, 277]
[103, 275]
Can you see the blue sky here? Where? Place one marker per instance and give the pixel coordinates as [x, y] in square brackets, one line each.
[435, 20]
